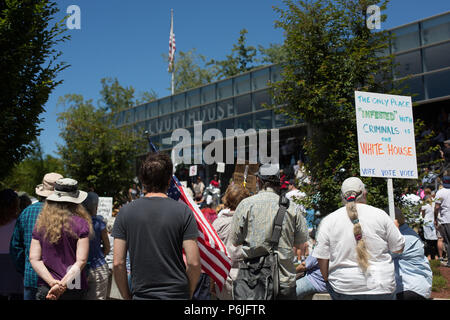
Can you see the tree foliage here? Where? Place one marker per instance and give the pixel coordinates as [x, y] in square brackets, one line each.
[241, 59]
[330, 53]
[191, 70]
[275, 53]
[27, 174]
[95, 152]
[29, 66]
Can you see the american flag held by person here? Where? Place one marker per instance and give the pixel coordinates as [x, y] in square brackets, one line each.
[214, 258]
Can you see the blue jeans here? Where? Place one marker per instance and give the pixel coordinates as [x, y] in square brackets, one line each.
[304, 288]
[29, 293]
[340, 296]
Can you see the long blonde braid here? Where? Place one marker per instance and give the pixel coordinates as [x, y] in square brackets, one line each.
[362, 254]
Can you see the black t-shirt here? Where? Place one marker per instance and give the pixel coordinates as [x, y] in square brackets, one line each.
[154, 229]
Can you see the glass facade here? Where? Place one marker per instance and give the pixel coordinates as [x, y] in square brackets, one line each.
[422, 54]
[421, 49]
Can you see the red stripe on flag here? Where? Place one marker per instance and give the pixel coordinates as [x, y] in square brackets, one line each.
[213, 253]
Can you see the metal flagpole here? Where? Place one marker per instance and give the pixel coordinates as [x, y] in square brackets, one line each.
[390, 188]
[173, 58]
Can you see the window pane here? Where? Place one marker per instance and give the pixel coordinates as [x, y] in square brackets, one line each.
[208, 93]
[438, 84]
[165, 124]
[140, 113]
[435, 30]
[281, 121]
[259, 98]
[275, 73]
[243, 104]
[226, 124]
[245, 122]
[193, 115]
[193, 98]
[406, 38]
[413, 86]
[156, 141]
[178, 120]
[179, 102]
[242, 84]
[225, 109]
[152, 126]
[263, 120]
[166, 141]
[139, 128]
[165, 106]
[120, 118]
[260, 79]
[224, 89]
[437, 57]
[152, 109]
[209, 112]
[409, 63]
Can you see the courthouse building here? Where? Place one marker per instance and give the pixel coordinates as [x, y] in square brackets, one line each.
[422, 52]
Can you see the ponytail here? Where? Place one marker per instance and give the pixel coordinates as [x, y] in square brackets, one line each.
[361, 250]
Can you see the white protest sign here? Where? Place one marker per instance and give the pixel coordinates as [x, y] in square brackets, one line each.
[105, 206]
[192, 171]
[386, 141]
[220, 167]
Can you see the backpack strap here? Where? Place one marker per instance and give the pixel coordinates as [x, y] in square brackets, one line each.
[277, 227]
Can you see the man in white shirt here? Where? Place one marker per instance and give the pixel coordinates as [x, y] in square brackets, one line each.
[442, 205]
[354, 245]
[295, 194]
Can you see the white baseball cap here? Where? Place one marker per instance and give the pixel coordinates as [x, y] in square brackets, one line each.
[352, 184]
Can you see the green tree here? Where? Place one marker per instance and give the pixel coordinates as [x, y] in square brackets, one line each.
[29, 66]
[27, 174]
[115, 97]
[275, 53]
[241, 59]
[146, 96]
[330, 53]
[191, 70]
[96, 153]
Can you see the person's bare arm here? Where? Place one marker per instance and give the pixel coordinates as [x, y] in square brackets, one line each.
[105, 240]
[82, 257]
[120, 268]
[193, 267]
[323, 265]
[38, 264]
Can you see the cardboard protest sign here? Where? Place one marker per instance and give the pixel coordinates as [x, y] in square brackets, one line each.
[105, 206]
[386, 141]
[192, 171]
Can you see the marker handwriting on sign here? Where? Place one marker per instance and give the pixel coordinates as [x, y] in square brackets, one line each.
[377, 149]
[374, 114]
[368, 128]
[371, 148]
[393, 102]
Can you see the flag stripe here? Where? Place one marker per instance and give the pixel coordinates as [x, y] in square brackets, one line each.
[213, 254]
[205, 223]
[210, 260]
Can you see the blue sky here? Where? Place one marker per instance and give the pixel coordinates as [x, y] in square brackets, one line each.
[126, 39]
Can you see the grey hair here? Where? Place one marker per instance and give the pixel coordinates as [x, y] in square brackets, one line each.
[363, 255]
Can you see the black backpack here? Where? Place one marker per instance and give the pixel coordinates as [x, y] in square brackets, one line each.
[258, 278]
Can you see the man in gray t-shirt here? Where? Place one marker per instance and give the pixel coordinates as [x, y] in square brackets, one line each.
[155, 229]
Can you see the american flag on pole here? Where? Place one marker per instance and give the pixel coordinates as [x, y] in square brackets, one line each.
[172, 47]
[213, 254]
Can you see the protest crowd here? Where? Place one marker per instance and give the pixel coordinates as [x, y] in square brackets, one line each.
[57, 247]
